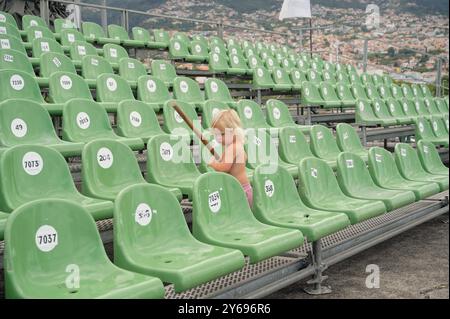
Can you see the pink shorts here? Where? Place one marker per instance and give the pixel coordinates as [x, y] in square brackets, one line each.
[249, 193]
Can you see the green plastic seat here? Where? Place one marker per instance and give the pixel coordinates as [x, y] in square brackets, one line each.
[254, 62]
[409, 108]
[377, 80]
[51, 62]
[174, 123]
[21, 86]
[118, 32]
[271, 63]
[57, 241]
[164, 71]
[431, 106]
[238, 65]
[144, 36]
[360, 93]
[281, 77]
[367, 79]
[293, 147]
[297, 77]
[198, 51]
[170, 164]
[218, 63]
[38, 32]
[181, 50]
[6, 17]
[278, 115]
[15, 60]
[109, 167]
[328, 66]
[430, 159]
[181, 36]
[11, 42]
[311, 95]
[33, 172]
[113, 89]
[355, 181]
[249, 51]
[385, 92]
[426, 92]
[70, 36]
[85, 121]
[222, 217]
[187, 90]
[287, 64]
[278, 203]
[320, 190]
[44, 45]
[323, 144]
[137, 119]
[345, 95]
[93, 66]
[348, 141]
[355, 79]
[380, 109]
[410, 167]
[438, 126]
[388, 80]
[314, 77]
[218, 48]
[385, 174]
[424, 131]
[364, 114]
[407, 91]
[152, 91]
[343, 78]
[317, 66]
[252, 117]
[441, 106]
[329, 76]
[151, 237]
[27, 122]
[162, 37]
[397, 92]
[261, 150]
[29, 20]
[217, 90]
[10, 30]
[131, 69]
[113, 53]
[210, 109]
[421, 108]
[263, 81]
[396, 111]
[417, 91]
[80, 49]
[372, 92]
[329, 95]
[63, 24]
[200, 38]
[93, 32]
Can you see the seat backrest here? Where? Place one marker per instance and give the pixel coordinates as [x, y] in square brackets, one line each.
[261, 76]
[65, 86]
[429, 156]
[388, 80]
[173, 122]
[271, 63]
[44, 45]
[43, 239]
[29, 20]
[322, 142]
[6, 17]
[313, 77]
[142, 34]
[328, 66]
[441, 105]
[352, 173]
[113, 88]
[11, 42]
[251, 114]
[417, 91]
[216, 89]
[70, 36]
[218, 62]
[431, 105]
[136, 119]
[396, 90]
[198, 48]
[19, 85]
[407, 91]
[385, 92]
[254, 62]
[423, 129]
[187, 90]
[347, 138]
[407, 160]
[131, 69]
[178, 48]
[293, 146]
[355, 78]
[151, 89]
[328, 92]
[169, 159]
[83, 120]
[408, 107]
[395, 108]
[92, 30]
[280, 76]
[238, 61]
[32, 172]
[63, 24]
[380, 109]
[438, 127]
[278, 114]
[163, 70]
[113, 53]
[15, 60]
[310, 91]
[260, 149]
[55, 62]
[426, 91]
[343, 77]
[382, 166]
[117, 32]
[298, 77]
[145, 217]
[93, 66]
[344, 92]
[377, 80]
[38, 32]
[8, 29]
[372, 91]
[329, 76]
[162, 36]
[366, 79]
[25, 122]
[210, 109]
[108, 165]
[80, 49]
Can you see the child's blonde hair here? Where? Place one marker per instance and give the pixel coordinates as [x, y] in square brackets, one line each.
[228, 119]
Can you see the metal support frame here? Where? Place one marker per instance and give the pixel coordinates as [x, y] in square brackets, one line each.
[308, 115]
[319, 267]
[220, 30]
[125, 19]
[364, 135]
[438, 77]
[45, 12]
[366, 49]
[104, 16]
[259, 98]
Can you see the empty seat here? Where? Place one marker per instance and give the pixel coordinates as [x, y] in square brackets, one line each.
[55, 62]
[57, 241]
[63, 24]
[311, 95]
[355, 181]
[364, 114]
[118, 32]
[170, 163]
[397, 92]
[109, 167]
[65, 86]
[95, 33]
[278, 203]
[323, 144]
[329, 95]
[15, 60]
[380, 109]
[263, 81]
[187, 90]
[29, 20]
[113, 89]
[345, 95]
[85, 121]
[385, 92]
[162, 37]
[10, 30]
[431, 106]
[293, 147]
[152, 91]
[424, 132]
[27, 122]
[254, 62]
[217, 90]
[151, 232]
[6, 17]
[385, 174]
[218, 63]
[198, 51]
[252, 117]
[131, 69]
[409, 165]
[174, 123]
[11, 42]
[297, 77]
[348, 141]
[164, 71]
[92, 66]
[360, 93]
[421, 108]
[320, 190]
[70, 36]
[210, 109]
[147, 39]
[113, 53]
[396, 111]
[238, 65]
[438, 127]
[19, 85]
[137, 119]
[367, 79]
[44, 45]
[281, 77]
[33, 172]
[409, 108]
[79, 49]
[278, 115]
[38, 32]
[222, 217]
[430, 159]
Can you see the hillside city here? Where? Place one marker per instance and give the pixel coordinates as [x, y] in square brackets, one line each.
[391, 49]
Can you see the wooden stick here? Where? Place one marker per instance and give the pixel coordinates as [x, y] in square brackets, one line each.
[194, 129]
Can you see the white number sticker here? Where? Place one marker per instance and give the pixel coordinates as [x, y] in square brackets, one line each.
[269, 188]
[18, 127]
[214, 87]
[113, 52]
[214, 202]
[151, 86]
[46, 238]
[184, 87]
[131, 65]
[71, 37]
[111, 84]
[105, 158]
[45, 46]
[260, 72]
[314, 172]
[81, 50]
[37, 34]
[177, 46]
[276, 113]
[166, 151]
[83, 120]
[17, 82]
[32, 163]
[135, 119]
[94, 62]
[56, 62]
[5, 44]
[378, 158]
[248, 112]
[403, 152]
[292, 139]
[177, 117]
[349, 163]
[216, 57]
[66, 82]
[143, 214]
[319, 135]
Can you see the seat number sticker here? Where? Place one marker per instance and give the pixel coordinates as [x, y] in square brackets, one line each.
[46, 238]
[45, 47]
[248, 112]
[143, 214]
[19, 127]
[184, 87]
[81, 50]
[66, 82]
[105, 158]
[32, 163]
[276, 113]
[214, 202]
[151, 86]
[135, 119]
[349, 163]
[214, 87]
[177, 117]
[5, 44]
[111, 84]
[83, 120]
[314, 172]
[166, 151]
[269, 188]
[17, 82]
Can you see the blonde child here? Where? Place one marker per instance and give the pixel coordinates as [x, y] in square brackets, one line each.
[228, 131]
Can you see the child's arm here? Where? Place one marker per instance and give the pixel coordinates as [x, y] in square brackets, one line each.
[226, 161]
